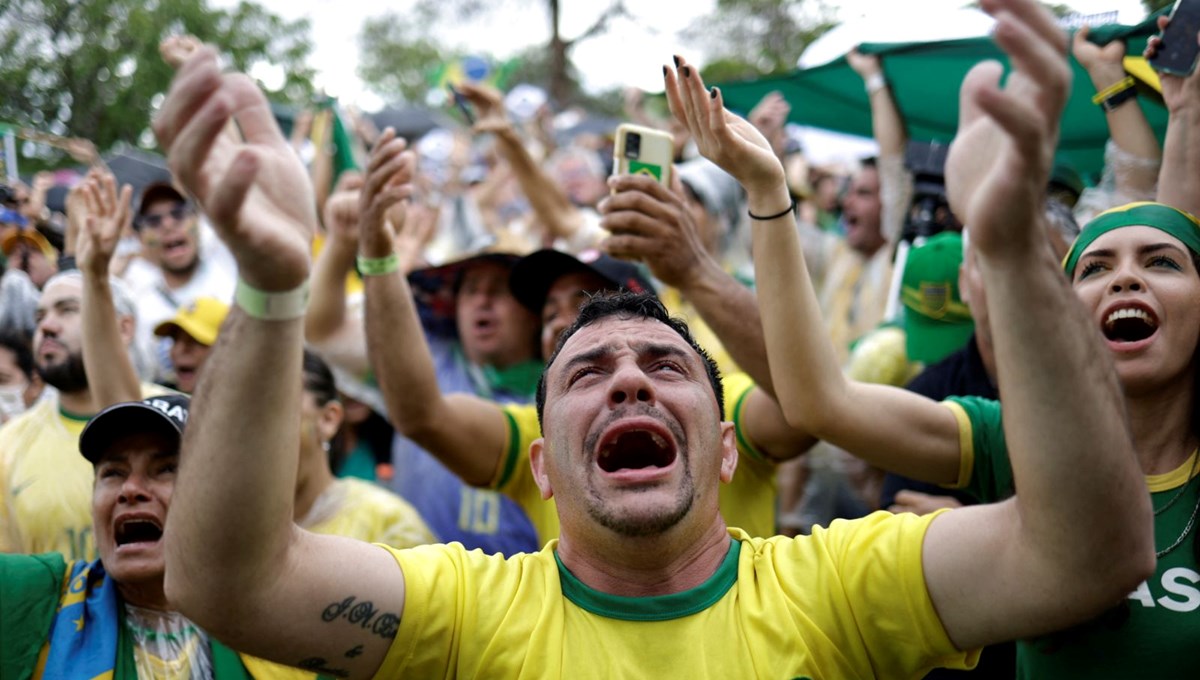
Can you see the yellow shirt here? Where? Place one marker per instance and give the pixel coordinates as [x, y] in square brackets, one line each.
[46, 484]
[846, 602]
[362, 510]
[747, 502]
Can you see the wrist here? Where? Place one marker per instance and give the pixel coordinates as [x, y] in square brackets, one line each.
[375, 247]
[771, 201]
[1106, 76]
[271, 306]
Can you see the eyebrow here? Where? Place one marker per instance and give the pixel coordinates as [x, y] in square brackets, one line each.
[656, 350]
[589, 357]
[1144, 250]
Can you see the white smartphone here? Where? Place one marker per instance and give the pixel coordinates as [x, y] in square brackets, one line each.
[641, 150]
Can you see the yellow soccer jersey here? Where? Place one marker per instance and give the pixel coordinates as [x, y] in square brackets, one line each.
[748, 502]
[846, 602]
[362, 510]
[46, 484]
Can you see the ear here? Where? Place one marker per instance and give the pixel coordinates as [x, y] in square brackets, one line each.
[729, 452]
[537, 461]
[330, 420]
[126, 326]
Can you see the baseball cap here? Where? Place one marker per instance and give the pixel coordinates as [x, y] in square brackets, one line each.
[201, 320]
[30, 237]
[157, 191]
[166, 414]
[936, 322]
[434, 289]
[533, 275]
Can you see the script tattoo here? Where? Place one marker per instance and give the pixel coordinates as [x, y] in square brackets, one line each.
[364, 615]
[319, 665]
[357, 651]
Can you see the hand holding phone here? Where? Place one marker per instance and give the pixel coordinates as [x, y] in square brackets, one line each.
[463, 105]
[1178, 48]
[641, 150]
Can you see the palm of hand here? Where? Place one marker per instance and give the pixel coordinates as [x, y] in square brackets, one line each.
[743, 152]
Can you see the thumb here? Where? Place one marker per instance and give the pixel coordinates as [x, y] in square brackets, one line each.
[982, 77]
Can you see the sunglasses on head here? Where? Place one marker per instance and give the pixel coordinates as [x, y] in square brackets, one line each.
[177, 213]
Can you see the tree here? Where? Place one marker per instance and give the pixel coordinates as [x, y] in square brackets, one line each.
[91, 68]
[746, 38]
[397, 54]
[1155, 5]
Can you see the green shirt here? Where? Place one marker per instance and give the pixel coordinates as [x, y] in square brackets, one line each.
[1153, 633]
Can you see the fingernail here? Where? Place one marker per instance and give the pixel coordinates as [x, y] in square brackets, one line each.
[665, 69]
[713, 93]
[687, 71]
[676, 58]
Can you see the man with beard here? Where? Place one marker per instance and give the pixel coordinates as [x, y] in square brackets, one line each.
[179, 264]
[44, 486]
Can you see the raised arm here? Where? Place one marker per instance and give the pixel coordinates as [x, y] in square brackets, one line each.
[465, 432]
[1179, 179]
[326, 314]
[889, 427]
[887, 125]
[1067, 460]
[236, 564]
[548, 200]
[1127, 125]
[112, 377]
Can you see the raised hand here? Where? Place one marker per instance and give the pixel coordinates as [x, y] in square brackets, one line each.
[107, 212]
[770, 116]
[256, 192]
[865, 65]
[1000, 160]
[1177, 92]
[388, 181]
[1101, 62]
[176, 49]
[651, 224]
[725, 139]
[489, 106]
[341, 209]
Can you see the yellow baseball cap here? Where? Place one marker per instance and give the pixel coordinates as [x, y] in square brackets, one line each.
[28, 236]
[201, 320]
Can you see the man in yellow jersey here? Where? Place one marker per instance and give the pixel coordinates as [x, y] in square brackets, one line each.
[486, 443]
[44, 486]
[646, 580]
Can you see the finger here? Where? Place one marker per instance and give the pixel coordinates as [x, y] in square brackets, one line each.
[252, 111]
[643, 185]
[684, 73]
[123, 207]
[983, 76]
[389, 198]
[190, 153]
[196, 81]
[388, 149]
[1020, 119]
[1032, 15]
[674, 99]
[627, 246]
[230, 193]
[397, 170]
[1038, 59]
[633, 223]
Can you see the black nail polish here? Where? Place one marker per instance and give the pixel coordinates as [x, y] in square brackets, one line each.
[665, 69]
[687, 71]
[676, 58]
[713, 93]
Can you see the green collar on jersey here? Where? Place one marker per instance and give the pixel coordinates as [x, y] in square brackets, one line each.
[657, 607]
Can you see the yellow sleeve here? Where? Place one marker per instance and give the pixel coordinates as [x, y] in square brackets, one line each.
[8, 542]
[966, 445]
[876, 572]
[514, 478]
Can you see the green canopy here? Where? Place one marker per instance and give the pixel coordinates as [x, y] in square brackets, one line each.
[925, 77]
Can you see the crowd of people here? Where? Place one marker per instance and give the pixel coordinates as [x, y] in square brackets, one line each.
[482, 409]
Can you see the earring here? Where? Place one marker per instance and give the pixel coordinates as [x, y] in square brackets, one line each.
[325, 446]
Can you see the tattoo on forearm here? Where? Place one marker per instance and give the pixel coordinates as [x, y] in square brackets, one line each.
[319, 665]
[354, 652]
[365, 615]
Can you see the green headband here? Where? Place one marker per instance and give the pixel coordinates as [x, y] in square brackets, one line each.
[1166, 219]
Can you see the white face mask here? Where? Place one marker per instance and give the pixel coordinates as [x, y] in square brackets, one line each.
[12, 401]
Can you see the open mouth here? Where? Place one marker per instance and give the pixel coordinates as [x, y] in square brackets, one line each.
[636, 450]
[1129, 324]
[174, 245]
[138, 530]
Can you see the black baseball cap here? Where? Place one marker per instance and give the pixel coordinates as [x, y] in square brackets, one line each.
[157, 191]
[166, 414]
[534, 274]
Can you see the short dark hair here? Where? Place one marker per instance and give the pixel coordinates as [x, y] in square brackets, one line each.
[626, 305]
[318, 378]
[19, 343]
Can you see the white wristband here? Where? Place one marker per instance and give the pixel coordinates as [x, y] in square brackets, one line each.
[290, 304]
[874, 83]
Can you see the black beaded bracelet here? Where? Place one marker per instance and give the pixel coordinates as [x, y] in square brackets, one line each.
[790, 208]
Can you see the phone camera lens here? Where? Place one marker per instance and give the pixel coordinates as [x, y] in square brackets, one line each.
[633, 145]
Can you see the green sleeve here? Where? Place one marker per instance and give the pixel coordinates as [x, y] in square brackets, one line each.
[30, 586]
[990, 477]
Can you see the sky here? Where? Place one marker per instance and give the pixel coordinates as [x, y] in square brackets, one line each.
[628, 54]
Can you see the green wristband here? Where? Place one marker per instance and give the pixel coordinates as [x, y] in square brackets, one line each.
[260, 304]
[378, 266]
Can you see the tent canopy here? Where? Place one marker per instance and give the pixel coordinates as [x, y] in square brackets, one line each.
[924, 79]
